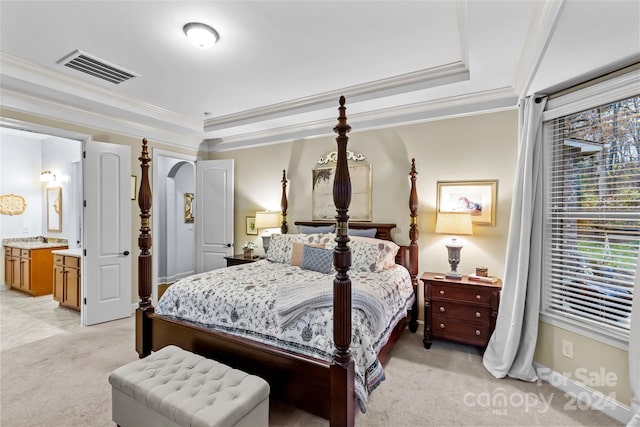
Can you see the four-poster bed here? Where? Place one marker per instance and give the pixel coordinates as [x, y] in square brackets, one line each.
[323, 386]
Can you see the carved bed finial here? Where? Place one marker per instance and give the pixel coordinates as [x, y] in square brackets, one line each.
[284, 228]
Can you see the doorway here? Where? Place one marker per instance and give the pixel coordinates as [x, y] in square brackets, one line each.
[173, 178]
[81, 188]
[28, 150]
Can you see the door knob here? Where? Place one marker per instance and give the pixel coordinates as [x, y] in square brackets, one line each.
[125, 253]
[228, 245]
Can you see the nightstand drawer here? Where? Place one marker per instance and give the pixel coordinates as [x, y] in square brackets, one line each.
[477, 296]
[462, 312]
[446, 326]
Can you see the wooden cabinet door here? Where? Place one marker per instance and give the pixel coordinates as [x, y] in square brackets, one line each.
[58, 283]
[71, 288]
[25, 274]
[8, 269]
[15, 277]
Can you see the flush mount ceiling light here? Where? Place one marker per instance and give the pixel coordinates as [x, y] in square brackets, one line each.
[201, 34]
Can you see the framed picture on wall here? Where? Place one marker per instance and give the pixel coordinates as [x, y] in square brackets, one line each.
[322, 193]
[251, 225]
[476, 197]
[188, 208]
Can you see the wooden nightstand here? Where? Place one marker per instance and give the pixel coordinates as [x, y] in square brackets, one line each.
[238, 259]
[459, 310]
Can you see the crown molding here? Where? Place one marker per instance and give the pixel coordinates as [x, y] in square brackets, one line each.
[455, 106]
[28, 73]
[419, 80]
[28, 104]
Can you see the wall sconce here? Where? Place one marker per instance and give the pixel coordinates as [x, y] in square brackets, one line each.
[267, 220]
[47, 176]
[456, 223]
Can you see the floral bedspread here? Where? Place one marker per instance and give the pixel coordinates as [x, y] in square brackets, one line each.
[241, 300]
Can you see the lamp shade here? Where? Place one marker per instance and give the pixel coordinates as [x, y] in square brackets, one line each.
[267, 219]
[457, 223]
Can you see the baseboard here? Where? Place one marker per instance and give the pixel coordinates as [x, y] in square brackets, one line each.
[584, 396]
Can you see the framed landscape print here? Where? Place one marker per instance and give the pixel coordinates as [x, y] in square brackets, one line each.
[475, 197]
[322, 181]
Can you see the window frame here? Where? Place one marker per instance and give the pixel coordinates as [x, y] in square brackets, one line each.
[605, 92]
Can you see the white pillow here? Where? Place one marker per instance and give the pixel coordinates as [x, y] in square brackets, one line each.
[369, 254]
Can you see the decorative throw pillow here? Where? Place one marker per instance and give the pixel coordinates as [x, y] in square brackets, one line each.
[280, 245]
[317, 259]
[317, 229]
[297, 249]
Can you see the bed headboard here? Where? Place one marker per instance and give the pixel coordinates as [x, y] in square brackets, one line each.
[383, 230]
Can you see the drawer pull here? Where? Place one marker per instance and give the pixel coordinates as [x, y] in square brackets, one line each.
[477, 332]
[478, 297]
[442, 309]
[441, 292]
[441, 325]
[478, 314]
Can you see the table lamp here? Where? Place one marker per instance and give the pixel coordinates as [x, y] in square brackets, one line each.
[456, 223]
[267, 220]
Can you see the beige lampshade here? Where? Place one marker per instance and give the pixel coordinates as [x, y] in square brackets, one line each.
[457, 223]
[267, 219]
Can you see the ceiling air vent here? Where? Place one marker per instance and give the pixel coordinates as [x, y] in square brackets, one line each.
[96, 67]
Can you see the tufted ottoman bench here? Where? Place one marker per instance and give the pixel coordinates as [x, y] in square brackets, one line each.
[174, 387]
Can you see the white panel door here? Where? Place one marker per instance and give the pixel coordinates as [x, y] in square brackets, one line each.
[107, 217]
[214, 213]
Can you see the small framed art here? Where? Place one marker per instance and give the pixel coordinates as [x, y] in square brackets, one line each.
[476, 197]
[251, 225]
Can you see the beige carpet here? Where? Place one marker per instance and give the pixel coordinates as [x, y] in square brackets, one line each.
[54, 373]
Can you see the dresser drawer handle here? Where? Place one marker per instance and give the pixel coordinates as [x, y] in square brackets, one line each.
[478, 297]
[442, 309]
[478, 314]
[441, 292]
[441, 325]
[477, 332]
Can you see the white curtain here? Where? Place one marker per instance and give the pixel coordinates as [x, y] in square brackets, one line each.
[511, 347]
[634, 352]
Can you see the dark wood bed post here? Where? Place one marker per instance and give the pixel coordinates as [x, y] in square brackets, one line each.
[342, 367]
[143, 322]
[413, 246]
[284, 228]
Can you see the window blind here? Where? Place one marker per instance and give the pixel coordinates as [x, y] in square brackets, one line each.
[592, 215]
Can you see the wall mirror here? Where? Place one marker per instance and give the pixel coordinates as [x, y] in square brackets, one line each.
[54, 209]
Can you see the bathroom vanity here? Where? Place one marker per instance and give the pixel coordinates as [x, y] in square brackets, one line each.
[28, 263]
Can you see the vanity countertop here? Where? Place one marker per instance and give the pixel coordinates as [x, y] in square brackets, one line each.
[34, 243]
[76, 252]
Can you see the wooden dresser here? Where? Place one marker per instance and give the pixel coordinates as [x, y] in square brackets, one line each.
[459, 310]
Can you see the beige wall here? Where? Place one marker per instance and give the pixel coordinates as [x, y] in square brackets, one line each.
[605, 368]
